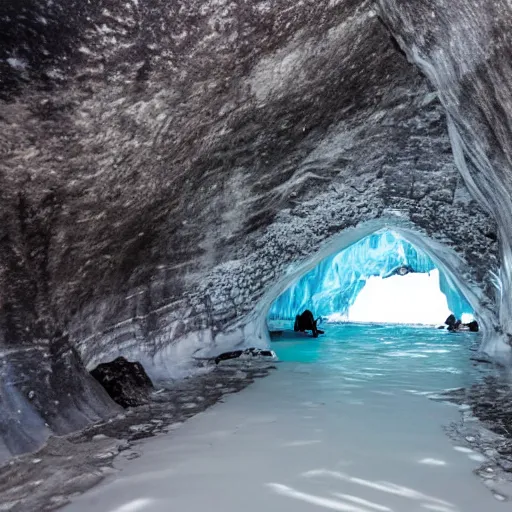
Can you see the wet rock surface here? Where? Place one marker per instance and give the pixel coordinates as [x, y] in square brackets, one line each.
[126, 382]
[246, 353]
[485, 427]
[69, 465]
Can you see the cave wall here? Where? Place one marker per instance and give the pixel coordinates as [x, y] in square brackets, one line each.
[464, 49]
[164, 165]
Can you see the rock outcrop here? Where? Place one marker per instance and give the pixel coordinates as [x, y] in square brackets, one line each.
[127, 383]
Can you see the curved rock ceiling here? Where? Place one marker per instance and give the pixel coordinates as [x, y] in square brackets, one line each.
[168, 167]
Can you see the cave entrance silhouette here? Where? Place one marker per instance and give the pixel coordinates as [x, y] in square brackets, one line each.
[380, 278]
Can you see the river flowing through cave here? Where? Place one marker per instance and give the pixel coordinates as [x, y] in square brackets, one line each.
[354, 421]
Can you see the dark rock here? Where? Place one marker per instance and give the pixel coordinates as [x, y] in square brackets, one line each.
[67, 397]
[472, 326]
[306, 322]
[127, 383]
[251, 352]
[457, 325]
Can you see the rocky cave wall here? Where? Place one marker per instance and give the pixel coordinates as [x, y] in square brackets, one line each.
[465, 48]
[164, 165]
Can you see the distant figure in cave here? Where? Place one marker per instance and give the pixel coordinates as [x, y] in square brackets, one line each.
[455, 325]
[306, 322]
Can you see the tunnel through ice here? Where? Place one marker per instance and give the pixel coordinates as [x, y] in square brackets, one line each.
[162, 188]
[381, 278]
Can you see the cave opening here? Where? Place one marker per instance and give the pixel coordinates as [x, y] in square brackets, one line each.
[382, 278]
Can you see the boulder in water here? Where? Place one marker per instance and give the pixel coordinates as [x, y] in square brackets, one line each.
[306, 322]
[127, 383]
[248, 352]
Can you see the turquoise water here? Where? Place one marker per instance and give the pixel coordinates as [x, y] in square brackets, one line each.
[425, 358]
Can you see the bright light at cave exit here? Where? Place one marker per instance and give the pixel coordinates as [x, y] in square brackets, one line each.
[365, 282]
[411, 299]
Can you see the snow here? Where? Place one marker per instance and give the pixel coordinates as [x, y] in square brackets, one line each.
[343, 424]
[335, 283]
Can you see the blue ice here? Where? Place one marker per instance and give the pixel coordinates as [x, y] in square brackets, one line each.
[334, 284]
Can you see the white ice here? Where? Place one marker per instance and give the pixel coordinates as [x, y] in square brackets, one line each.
[343, 424]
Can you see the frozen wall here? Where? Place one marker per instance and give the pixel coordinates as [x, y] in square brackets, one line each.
[464, 49]
[165, 164]
[333, 285]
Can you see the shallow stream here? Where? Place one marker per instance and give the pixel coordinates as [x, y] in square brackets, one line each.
[355, 421]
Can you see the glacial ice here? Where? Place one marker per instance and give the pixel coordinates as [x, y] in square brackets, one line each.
[335, 283]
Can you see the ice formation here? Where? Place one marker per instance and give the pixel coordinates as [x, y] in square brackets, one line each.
[167, 169]
[335, 283]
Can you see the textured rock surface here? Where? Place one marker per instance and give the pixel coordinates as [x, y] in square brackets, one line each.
[164, 166]
[127, 383]
[490, 401]
[464, 49]
[31, 481]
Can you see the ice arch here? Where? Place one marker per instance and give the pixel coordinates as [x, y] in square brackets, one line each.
[335, 283]
[451, 266]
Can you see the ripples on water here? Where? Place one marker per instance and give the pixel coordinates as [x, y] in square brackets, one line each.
[414, 359]
[419, 358]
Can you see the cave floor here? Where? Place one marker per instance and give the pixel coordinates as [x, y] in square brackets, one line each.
[66, 466]
[358, 420]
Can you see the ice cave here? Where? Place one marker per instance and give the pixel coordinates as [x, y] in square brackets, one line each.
[382, 278]
[178, 180]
